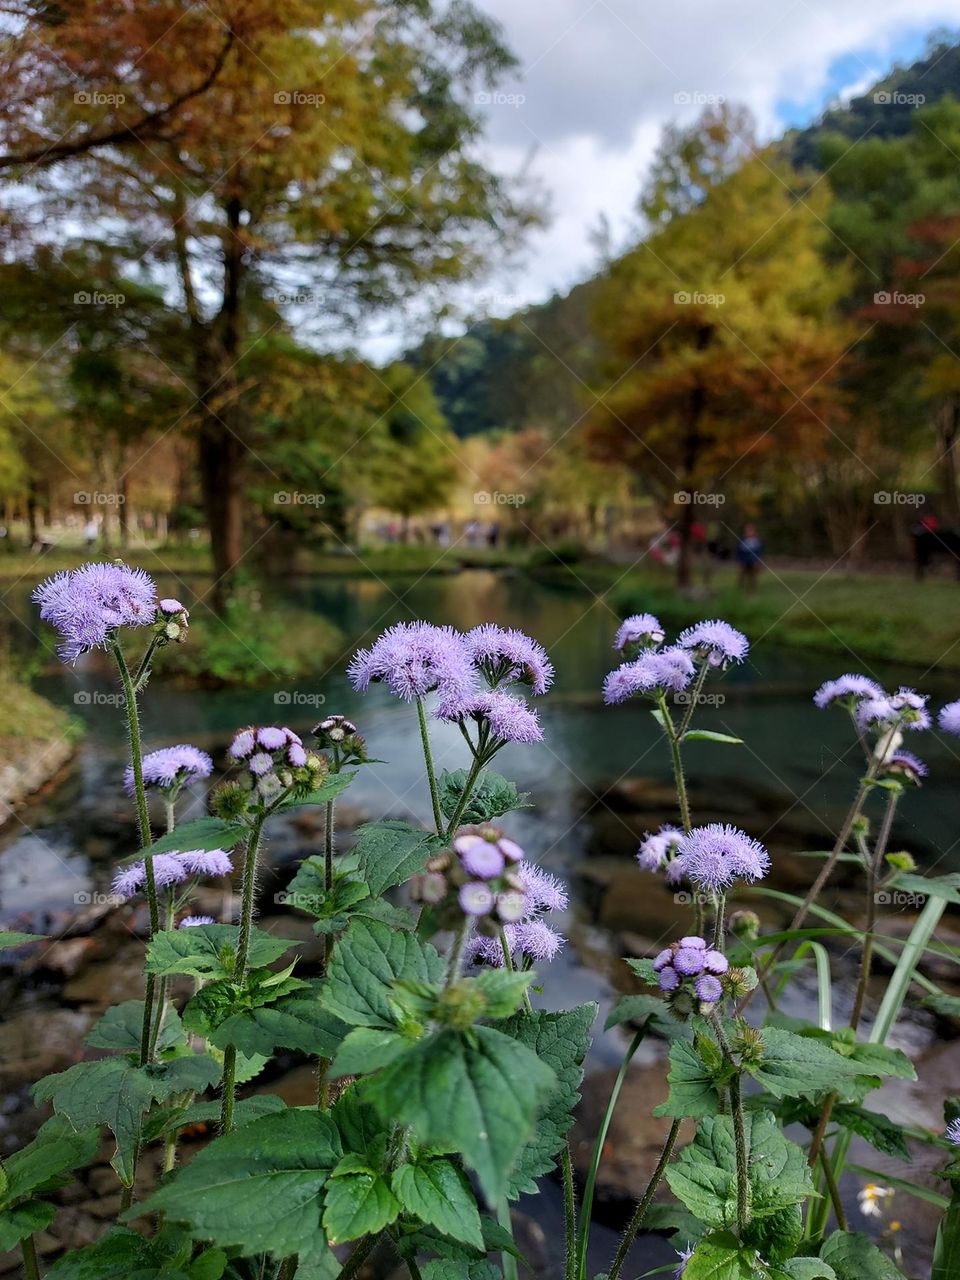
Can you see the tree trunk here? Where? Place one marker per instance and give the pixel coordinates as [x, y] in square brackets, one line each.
[948, 427]
[123, 515]
[32, 528]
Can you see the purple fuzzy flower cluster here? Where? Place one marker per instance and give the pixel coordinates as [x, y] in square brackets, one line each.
[88, 604]
[952, 1132]
[906, 765]
[654, 671]
[691, 966]
[171, 767]
[657, 850]
[873, 708]
[195, 922]
[468, 672]
[847, 689]
[270, 755]
[715, 856]
[949, 718]
[172, 868]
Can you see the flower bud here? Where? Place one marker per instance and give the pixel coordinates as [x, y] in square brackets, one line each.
[745, 924]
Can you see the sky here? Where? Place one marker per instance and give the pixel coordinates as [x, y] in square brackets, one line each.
[598, 80]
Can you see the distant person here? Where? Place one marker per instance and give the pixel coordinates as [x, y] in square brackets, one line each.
[493, 535]
[749, 556]
[90, 532]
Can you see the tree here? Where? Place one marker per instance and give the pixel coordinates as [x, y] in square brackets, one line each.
[331, 165]
[722, 336]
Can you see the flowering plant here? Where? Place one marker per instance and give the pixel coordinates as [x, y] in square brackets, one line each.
[445, 1089]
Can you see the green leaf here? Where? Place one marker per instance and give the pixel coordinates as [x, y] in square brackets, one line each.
[367, 961]
[57, 1148]
[708, 735]
[388, 853]
[802, 1066]
[209, 950]
[297, 1021]
[201, 833]
[13, 939]
[244, 1110]
[367, 1049]
[357, 1203]
[647, 1009]
[335, 785]
[121, 1026]
[806, 1269]
[721, 1257]
[881, 1132]
[445, 1269]
[23, 1220]
[705, 1176]
[478, 1092]
[946, 887]
[126, 1255]
[493, 796]
[210, 1265]
[855, 1257]
[946, 1250]
[114, 1092]
[256, 1189]
[561, 1041]
[693, 1090]
[437, 1193]
[503, 990]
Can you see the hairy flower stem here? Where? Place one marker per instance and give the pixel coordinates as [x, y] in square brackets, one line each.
[31, 1268]
[428, 761]
[874, 870]
[472, 776]
[718, 922]
[674, 738]
[323, 1064]
[509, 966]
[643, 1204]
[832, 1186]
[357, 1258]
[240, 968]
[455, 957]
[739, 1130]
[569, 1215]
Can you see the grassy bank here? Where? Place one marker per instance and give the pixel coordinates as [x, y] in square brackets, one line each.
[36, 740]
[878, 618]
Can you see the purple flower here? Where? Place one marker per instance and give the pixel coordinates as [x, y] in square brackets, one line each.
[476, 898]
[716, 641]
[663, 959]
[715, 962]
[849, 688]
[699, 943]
[714, 856]
[509, 655]
[509, 717]
[669, 979]
[296, 755]
[243, 744]
[206, 862]
[169, 766]
[905, 762]
[170, 608]
[86, 605]
[530, 938]
[708, 989]
[260, 764]
[906, 709]
[172, 868]
[656, 669]
[641, 630]
[271, 738]
[655, 849]
[195, 922]
[544, 891]
[480, 858]
[413, 659]
[949, 718]
[952, 1132]
[689, 961]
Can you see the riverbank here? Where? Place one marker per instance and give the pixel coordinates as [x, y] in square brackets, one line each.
[37, 740]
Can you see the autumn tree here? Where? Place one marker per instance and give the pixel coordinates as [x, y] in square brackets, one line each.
[720, 326]
[330, 167]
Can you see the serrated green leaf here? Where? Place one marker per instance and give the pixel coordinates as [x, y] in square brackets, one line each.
[121, 1026]
[493, 796]
[478, 1092]
[804, 1269]
[801, 1066]
[436, 1192]
[57, 1148]
[708, 735]
[257, 1188]
[856, 1257]
[389, 853]
[202, 833]
[652, 1009]
[503, 990]
[367, 1049]
[446, 1269]
[367, 961]
[705, 1175]
[126, 1255]
[693, 1090]
[357, 1204]
[881, 1132]
[334, 785]
[297, 1021]
[23, 1220]
[720, 1257]
[244, 1111]
[561, 1041]
[208, 950]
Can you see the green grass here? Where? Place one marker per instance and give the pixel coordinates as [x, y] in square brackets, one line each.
[27, 717]
[874, 616]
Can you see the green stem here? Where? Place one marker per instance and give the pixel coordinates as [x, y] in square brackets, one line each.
[694, 699]
[835, 1198]
[874, 868]
[739, 1130]
[586, 1207]
[643, 1204]
[323, 1064]
[428, 761]
[508, 964]
[507, 1260]
[475, 770]
[357, 1258]
[680, 781]
[31, 1268]
[456, 951]
[413, 1269]
[718, 922]
[569, 1215]
[288, 1268]
[240, 968]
